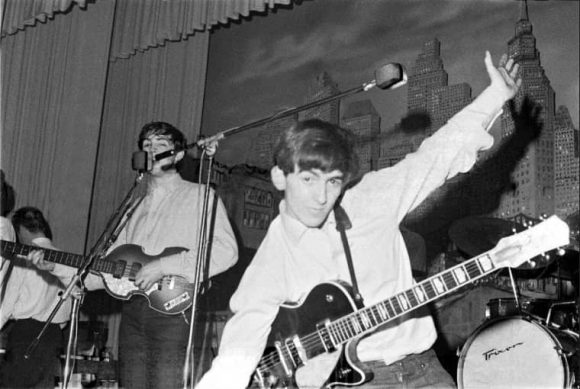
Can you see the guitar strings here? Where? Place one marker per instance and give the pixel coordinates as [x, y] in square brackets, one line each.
[344, 325]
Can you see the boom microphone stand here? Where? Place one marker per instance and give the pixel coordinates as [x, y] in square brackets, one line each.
[389, 76]
[201, 263]
[108, 237]
[114, 227]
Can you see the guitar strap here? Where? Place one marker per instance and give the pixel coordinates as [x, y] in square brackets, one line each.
[342, 224]
[6, 279]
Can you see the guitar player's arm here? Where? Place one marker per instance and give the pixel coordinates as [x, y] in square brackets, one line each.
[64, 273]
[255, 305]
[223, 253]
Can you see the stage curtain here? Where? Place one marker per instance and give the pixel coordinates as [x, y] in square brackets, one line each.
[66, 144]
[19, 14]
[53, 79]
[140, 25]
[165, 84]
[77, 88]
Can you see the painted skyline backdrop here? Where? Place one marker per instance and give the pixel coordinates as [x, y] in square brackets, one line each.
[259, 67]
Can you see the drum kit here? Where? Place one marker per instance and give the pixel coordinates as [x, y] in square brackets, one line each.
[523, 342]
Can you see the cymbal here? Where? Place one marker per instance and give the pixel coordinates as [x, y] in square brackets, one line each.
[566, 267]
[475, 235]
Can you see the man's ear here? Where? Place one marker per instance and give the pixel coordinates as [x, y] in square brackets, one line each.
[278, 178]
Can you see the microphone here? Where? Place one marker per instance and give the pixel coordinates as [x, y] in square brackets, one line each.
[142, 161]
[165, 154]
[390, 76]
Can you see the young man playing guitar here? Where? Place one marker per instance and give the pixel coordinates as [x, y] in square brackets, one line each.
[152, 345]
[29, 296]
[314, 164]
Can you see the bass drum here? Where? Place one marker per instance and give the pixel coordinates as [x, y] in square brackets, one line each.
[516, 352]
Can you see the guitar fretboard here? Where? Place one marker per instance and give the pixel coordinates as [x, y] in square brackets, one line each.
[9, 249]
[369, 318]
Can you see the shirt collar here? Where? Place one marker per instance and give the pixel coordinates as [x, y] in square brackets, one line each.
[294, 229]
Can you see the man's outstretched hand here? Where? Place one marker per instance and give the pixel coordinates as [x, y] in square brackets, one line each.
[505, 77]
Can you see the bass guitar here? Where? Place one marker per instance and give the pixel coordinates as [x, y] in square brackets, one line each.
[312, 344]
[170, 295]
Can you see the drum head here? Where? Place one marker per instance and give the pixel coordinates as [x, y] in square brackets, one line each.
[511, 352]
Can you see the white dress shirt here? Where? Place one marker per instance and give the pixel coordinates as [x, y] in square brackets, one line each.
[32, 293]
[292, 258]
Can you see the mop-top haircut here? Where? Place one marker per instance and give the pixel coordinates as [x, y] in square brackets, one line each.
[316, 144]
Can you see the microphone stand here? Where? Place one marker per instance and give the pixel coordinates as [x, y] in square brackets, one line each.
[209, 145]
[201, 264]
[108, 237]
[379, 81]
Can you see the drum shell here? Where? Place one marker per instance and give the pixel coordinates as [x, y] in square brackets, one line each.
[517, 351]
[501, 307]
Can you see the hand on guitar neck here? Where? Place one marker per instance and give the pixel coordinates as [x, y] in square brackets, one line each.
[126, 271]
[36, 257]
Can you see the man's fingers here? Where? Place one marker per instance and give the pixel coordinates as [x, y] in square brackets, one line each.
[514, 71]
[488, 61]
[503, 60]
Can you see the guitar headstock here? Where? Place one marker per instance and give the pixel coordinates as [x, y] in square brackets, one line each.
[514, 250]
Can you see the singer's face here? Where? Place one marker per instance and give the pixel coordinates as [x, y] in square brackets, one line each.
[310, 195]
[156, 144]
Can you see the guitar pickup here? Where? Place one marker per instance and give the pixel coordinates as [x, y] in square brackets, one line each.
[119, 269]
[169, 305]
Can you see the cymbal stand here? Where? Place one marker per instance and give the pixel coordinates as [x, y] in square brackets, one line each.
[514, 288]
[208, 150]
[513, 282]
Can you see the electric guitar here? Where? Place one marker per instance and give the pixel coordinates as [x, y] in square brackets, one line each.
[170, 295]
[312, 344]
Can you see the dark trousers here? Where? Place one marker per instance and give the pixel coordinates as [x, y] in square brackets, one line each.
[40, 369]
[415, 371]
[152, 347]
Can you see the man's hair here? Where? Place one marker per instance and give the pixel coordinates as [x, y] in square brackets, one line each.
[162, 128]
[316, 144]
[32, 219]
[6, 196]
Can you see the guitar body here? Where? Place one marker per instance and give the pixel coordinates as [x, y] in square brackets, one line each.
[313, 344]
[170, 295]
[327, 301]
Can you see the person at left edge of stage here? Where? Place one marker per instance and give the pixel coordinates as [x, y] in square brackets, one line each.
[29, 299]
[152, 345]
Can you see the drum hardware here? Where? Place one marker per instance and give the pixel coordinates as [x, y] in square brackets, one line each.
[566, 320]
[506, 306]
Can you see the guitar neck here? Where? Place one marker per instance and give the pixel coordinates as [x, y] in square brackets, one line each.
[368, 319]
[9, 249]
